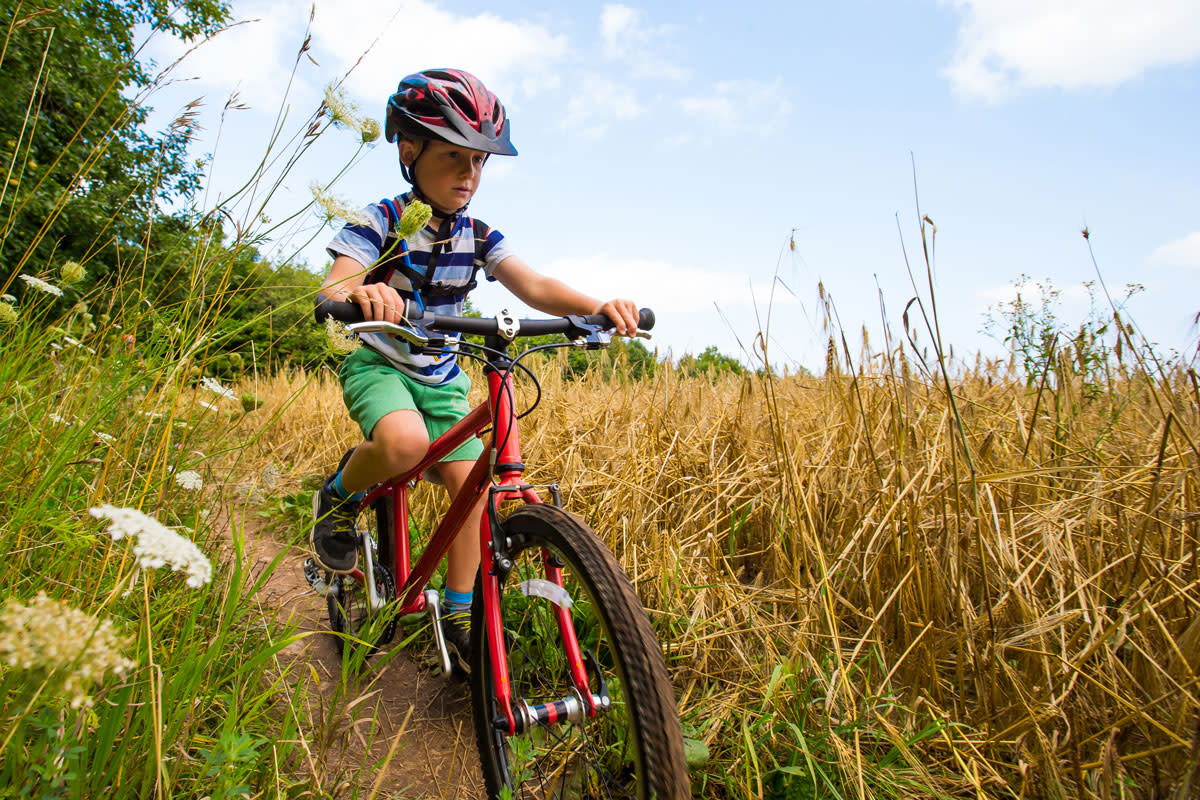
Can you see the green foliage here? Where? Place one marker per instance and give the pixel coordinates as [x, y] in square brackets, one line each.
[91, 423]
[712, 363]
[82, 177]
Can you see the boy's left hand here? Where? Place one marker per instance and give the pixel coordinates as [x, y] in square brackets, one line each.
[623, 313]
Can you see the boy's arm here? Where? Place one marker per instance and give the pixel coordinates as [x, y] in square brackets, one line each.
[378, 301]
[552, 296]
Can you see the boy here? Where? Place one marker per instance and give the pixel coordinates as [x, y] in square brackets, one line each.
[446, 124]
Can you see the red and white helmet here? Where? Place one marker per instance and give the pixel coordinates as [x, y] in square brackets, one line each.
[450, 105]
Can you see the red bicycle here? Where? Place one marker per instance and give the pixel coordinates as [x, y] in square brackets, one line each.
[570, 692]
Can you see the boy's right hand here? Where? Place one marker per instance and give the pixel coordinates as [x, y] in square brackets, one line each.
[379, 302]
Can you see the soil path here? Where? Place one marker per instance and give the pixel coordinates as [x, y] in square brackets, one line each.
[408, 696]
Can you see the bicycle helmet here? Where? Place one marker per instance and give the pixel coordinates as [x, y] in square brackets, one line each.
[450, 105]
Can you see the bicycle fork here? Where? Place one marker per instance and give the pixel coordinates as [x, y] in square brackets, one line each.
[517, 714]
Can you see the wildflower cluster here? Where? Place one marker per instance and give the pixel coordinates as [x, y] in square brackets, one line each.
[215, 386]
[41, 285]
[341, 341]
[156, 545]
[344, 112]
[190, 480]
[48, 636]
[8, 314]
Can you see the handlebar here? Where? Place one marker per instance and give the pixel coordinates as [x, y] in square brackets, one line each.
[572, 326]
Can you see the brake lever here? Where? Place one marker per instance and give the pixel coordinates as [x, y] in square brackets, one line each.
[412, 336]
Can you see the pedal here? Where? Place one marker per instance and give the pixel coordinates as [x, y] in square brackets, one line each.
[433, 606]
[315, 577]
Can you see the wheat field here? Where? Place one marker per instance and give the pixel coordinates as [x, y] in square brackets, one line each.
[861, 584]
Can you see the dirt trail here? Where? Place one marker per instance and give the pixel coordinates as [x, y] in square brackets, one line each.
[435, 756]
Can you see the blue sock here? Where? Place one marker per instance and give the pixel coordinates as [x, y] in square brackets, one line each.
[339, 491]
[456, 601]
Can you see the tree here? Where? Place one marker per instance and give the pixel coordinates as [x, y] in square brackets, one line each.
[711, 362]
[83, 179]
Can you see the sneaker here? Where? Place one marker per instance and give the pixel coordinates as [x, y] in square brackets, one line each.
[333, 537]
[456, 630]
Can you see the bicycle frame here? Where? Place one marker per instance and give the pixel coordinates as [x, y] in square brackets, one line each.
[413, 578]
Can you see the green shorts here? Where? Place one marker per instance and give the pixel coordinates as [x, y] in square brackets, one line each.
[373, 388]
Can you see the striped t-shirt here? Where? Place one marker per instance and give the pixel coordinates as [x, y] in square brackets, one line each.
[455, 266]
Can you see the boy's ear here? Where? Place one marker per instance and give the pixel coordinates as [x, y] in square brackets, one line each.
[409, 150]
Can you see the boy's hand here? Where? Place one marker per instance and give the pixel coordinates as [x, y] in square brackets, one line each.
[623, 313]
[379, 302]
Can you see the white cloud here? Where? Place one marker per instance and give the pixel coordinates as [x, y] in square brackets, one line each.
[254, 57]
[643, 48]
[595, 103]
[1183, 252]
[1007, 45]
[663, 286]
[744, 106]
[512, 57]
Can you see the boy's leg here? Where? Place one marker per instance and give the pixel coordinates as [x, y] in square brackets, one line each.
[397, 443]
[462, 562]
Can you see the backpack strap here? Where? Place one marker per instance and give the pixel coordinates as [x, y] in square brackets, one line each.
[393, 258]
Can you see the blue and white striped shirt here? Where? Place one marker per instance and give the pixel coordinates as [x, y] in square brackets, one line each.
[456, 266]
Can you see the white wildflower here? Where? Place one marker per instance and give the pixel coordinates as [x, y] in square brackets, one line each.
[41, 285]
[214, 386]
[104, 437]
[8, 298]
[53, 640]
[336, 208]
[189, 480]
[59, 419]
[209, 405]
[339, 336]
[156, 545]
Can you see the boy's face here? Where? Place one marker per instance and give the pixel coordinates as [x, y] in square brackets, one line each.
[447, 173]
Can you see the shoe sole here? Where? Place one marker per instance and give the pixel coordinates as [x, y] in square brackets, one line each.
[312, 544]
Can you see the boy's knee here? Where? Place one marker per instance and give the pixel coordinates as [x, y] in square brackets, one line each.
[400, 438]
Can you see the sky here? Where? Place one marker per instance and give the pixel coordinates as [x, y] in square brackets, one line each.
[741, 168]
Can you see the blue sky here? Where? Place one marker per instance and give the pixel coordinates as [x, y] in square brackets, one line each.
[674, 156]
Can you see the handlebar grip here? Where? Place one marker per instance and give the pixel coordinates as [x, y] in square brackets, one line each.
[645, 319]
[352, 312]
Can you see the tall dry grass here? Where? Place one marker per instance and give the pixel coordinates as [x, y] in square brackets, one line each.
[860, 598]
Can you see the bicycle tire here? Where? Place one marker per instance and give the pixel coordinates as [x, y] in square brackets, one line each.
[633, 750]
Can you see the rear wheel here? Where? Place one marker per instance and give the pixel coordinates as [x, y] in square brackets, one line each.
[632, 750]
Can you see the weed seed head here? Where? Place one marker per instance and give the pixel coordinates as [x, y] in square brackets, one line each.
[8, 314]
[156, 545]
[344, 112]
[416, 215]
[41, 285]
[334, 208]
[72, 273]
[50, 638]
[370, 131]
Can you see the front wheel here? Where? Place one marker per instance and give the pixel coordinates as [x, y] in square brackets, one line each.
[632, 750]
